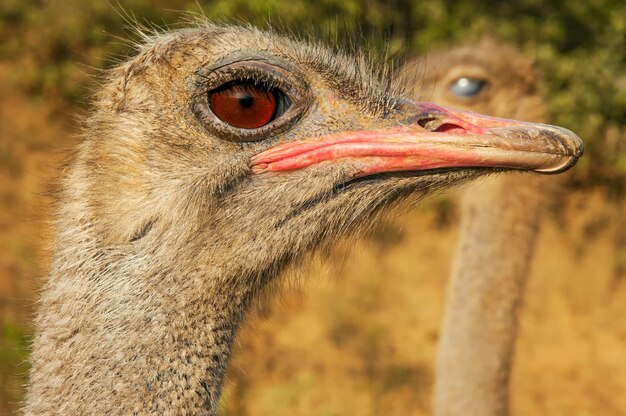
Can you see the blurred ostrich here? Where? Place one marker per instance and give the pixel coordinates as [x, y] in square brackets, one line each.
[500, 221]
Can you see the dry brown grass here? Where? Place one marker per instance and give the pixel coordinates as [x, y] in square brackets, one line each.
[31, 139]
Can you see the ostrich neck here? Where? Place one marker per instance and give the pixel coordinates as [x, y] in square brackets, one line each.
[117, 335]
[500, 223]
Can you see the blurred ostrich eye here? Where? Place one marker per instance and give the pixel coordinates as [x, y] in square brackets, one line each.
[467, 87]
[246, 105]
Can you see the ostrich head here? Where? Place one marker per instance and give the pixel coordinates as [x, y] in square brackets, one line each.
[214, 158]
[261, 147]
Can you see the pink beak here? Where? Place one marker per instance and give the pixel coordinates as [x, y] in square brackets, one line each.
[434, 138]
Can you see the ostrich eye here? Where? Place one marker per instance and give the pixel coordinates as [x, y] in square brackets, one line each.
[249, 100]
[247, 105]
[467, 87]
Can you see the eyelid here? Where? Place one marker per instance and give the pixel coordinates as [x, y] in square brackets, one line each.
[289, 83]
[257, 71]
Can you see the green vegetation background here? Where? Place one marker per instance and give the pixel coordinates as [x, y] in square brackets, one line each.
[54, 48]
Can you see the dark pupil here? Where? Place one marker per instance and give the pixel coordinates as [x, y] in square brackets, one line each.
[246, 100]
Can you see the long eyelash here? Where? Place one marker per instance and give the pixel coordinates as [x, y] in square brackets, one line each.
[261, 79]
[257, 77]
[243, 84]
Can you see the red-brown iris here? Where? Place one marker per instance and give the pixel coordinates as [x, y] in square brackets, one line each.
[244, 105]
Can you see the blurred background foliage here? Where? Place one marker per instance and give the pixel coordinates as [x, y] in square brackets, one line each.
[580, 45]
[51, 52]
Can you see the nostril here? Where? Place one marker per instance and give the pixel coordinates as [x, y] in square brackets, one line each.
[437, 125]
[425, 122]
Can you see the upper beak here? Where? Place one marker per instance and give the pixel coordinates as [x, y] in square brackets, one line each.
[433, 137]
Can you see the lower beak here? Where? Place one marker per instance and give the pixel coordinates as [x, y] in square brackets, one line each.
[434, 137]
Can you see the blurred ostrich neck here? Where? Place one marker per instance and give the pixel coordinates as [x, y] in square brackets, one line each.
[499, 230]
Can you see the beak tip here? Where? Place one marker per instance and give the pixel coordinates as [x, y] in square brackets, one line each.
[570, 140]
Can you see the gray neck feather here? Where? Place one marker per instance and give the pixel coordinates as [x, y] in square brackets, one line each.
[119, 333]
